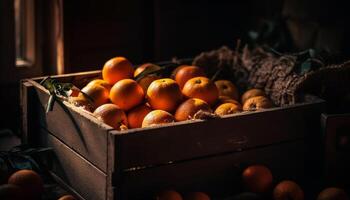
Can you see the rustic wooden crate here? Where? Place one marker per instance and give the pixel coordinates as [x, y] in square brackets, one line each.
[98, 162]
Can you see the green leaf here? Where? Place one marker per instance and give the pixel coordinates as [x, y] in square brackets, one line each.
[50, 103]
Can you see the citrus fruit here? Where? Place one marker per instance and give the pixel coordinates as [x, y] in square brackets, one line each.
[228, 108]
[227, 88]
[257, 178]
[137, 114]
[288, 190]
[157, 117]
[95, 93]
[189, 108]
[201, 88]
[100, 82]
[145, 81]
[252, 93]
[333, 193]
[126, 94]
[116, 69]
[256, 103]
[185, 73]
[111, 115]
[29, 181]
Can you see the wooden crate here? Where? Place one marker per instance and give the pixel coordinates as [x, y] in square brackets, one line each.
[98, 162]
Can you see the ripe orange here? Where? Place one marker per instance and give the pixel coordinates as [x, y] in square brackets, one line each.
[147, 80]
[95, 92]
[164, 94]
[29, 181]
[227, 88]
[185, 73]
[257, 179]
[197, 196]
[83, 102]
[256, 103]
[100, 82]
[126, 94]
[169, 195]
[137, 114]
[67, 197]
[226, 99]
[157, 117]
[228, 108]
[333, 193]
[145, 66]
[111, 115]
[189, 108]
[201, 88]
[10, 192]
[116, 69]
[252, 93]
[173, 73]
[288, 190]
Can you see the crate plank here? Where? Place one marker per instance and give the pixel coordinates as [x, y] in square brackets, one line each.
[219, 176]
[78, 173]
[75, 127]
[187, 140]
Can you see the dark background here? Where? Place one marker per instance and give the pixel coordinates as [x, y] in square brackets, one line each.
[156, 30]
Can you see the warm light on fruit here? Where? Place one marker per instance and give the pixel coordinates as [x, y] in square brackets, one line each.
[185, 73]
[111, 115]
[257, 103]
[201, 88]
[227, 88]
[257, 179]
[251, 93]
[228, 108]
[189, 108]
[126, 94]
[137, 114]
[288, 190]
[95, 93]
[116, 69]
[157, 117]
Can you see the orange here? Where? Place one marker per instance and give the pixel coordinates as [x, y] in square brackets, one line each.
[164, 94]
[67, 197]
[116, 69]
[173, 73]
[227, 88]
[29, 181]
[101, 83]
[82, 102]
[228, 108]
[201, 88]
[111, 115]
[185, 73]
[257, 179]
[197, 196]
[169, 195]
[143, 67]
[333, 193]
[126, 94]
[225, 99]
[189, 108]
[157, 117]
[252, 93]
[11, 192]
[146, 80]
[137, 114]
[288, 190]
[256, 103]
[95, 93]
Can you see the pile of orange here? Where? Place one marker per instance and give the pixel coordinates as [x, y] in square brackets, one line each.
[122, 101]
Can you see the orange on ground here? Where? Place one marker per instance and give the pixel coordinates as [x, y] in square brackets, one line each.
[95, 93]
[288, 190]
[228, 108]
[157, 117]
[164, 94]
[185, 73]
[137, 114]
[227, 88]
[111, 115]
[100, 82]
[189, 108]
[10, 192]
[197, 196]
[126, 94]
[29, 181]
[256, 103]
[257, 179]
[333, 193]
[201, 88]
[67, 197]
[116, 69]
[252, 93]
[169, 195]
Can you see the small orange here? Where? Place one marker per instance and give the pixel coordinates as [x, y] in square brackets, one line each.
[111, 115]
[288, 190]
[257, 179]
[256, 103]
[137, 114]
[227, 88]
[228, 108]
[67, 197]
[164, 94]
[201, 88]
[101, 82]
[143, 67]
[126, 94]
[116, 69]
[189, 108]
[252, 93]
[82, 102]
[146, 80]
[197, 196]
[95, 92]
[168, 195]
[29, 181]
[157, 117]
[185, 73]
[333, 193]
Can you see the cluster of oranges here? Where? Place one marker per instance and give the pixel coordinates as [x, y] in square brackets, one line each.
[123, 102]
[25, 184]
[258, 183]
